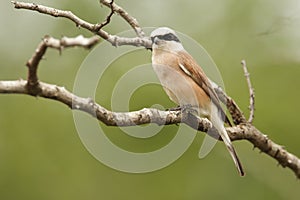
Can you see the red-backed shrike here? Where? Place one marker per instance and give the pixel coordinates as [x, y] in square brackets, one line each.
[186, 84]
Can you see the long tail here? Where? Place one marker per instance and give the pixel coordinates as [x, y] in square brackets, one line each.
[219, 124]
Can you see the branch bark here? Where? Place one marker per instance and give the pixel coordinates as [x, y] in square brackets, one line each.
[251, 92]
[128, 18]
[243, 129]
[144, 116]
[94, 28]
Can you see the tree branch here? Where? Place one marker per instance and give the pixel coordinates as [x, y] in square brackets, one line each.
[108, 18]
[144, 116]
[128, 18]
[66, 42]
[32, 85]
[243, 130]
[234, 110]
[266, 145]
[251, 92]
[113, 39]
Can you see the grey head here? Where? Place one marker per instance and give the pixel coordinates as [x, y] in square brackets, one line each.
[165, 37]
[164, 33]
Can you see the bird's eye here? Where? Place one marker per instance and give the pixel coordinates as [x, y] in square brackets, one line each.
[169, 37]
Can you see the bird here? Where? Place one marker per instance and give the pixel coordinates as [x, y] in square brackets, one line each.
[185, 82]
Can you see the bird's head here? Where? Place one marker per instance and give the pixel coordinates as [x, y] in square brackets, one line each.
[166, 39]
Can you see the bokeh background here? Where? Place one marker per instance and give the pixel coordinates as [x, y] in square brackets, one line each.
[42, 157]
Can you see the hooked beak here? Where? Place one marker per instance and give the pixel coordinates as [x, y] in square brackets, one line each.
[154, 40]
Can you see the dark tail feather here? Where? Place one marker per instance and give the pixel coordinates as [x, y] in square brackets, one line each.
[236, 160]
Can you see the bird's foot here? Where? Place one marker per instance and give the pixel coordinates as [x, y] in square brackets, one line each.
[178, 108]
[188, 108]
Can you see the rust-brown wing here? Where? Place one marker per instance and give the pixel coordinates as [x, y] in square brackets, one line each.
[192, 69]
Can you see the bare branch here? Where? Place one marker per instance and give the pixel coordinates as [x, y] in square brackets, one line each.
[150, 115]
[108, 18]
[251, 91]
[264, 144]
[129, 19]
[144, 116]
[65, 42]
[48, 41]
[113, 39]
[234, 110]
[32, 65]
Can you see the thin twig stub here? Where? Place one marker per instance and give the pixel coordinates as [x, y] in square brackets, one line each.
[251, 92]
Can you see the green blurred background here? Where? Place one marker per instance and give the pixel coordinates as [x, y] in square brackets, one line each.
[42, 157]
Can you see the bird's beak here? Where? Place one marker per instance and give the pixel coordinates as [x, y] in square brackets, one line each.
[152, 39]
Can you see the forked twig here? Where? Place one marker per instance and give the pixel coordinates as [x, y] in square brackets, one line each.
[113, 39]
[108, 18]
[128, 18]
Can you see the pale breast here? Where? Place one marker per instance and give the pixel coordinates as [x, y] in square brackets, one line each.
[180, 88]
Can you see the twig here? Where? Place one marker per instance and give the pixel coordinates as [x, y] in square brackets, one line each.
[65, 42]
[48, 41]
[32, 65]
[234, 110]
[128, 18]
[113, 39]
[108, 18]
[251, 91]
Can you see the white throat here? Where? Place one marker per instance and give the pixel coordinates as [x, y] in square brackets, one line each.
[168, 46]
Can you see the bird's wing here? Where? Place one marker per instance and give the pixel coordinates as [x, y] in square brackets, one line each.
[190, 67]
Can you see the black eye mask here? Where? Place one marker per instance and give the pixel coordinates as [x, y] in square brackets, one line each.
[166, 37]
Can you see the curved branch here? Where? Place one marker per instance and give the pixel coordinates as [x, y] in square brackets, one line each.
[109, 118]
[263, 143]
[113, 39]
[48, 41]
[128, 18]
[108, 18]
[244, 131]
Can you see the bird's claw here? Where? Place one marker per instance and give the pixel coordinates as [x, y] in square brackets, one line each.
[178, 108]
